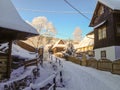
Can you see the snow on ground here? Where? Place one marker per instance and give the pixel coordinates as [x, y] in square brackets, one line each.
[75, 77]
[78, 77]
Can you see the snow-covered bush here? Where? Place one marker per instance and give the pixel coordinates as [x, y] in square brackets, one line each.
[69, 49]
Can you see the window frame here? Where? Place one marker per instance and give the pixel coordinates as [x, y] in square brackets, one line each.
[103, 54]
[102, 32]
[117, 31]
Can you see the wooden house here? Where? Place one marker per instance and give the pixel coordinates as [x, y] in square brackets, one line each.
[59, 46]
[12, 27]
[106, 24]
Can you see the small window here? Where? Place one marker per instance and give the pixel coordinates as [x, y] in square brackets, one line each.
[103, 54]
[102, 32]
[118, 29]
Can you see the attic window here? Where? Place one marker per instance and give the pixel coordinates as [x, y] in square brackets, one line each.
[102, 32]
[118, 29]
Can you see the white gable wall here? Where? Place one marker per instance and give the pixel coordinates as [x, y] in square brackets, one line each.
[110, 53]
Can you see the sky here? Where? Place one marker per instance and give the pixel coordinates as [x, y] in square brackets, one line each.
[64, 18]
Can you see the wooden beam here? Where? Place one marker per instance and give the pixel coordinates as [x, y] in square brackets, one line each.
[9, 59]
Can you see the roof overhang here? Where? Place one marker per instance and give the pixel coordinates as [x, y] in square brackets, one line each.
[8, 34]
[113, 4]
[100, 24]
[90, 33]
[12, 26]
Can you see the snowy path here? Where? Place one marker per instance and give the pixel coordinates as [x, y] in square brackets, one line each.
[83, 78]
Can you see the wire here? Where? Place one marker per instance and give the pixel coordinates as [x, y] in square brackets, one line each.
[46, 11]
[76, 9]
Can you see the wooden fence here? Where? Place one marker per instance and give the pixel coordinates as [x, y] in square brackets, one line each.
[31, 63]
[3, 65]
[103, 64]
[116, 67]
[74, 60]
[48, 84]
[92, 62]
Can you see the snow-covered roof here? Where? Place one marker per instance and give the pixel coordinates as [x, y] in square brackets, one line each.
[18, 51]
[113, 4]
[9, 18]
[76, 46]
[58, 45]
[87, 41]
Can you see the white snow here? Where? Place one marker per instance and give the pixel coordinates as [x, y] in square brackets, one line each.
[45, 82]
[9, 18]
[20, 52]
[78, 77]
[57, 44]
[87, 41]
[17, 75]
[3, 47]
[75, 77]
[113, 4]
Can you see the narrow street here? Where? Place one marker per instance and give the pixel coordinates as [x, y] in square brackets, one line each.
[84, 78]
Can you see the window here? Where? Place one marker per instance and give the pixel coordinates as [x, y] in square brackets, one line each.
[103, 54]
[118, 29]
[102, 32]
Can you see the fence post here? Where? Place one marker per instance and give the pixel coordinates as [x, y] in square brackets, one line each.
[112, 67]
[59, 62]
[56, 60]
[97, 64]
[54, 81]
[61, 80]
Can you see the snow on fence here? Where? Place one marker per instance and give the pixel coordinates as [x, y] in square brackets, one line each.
[21, 81]
[49, 83]
[51, 87]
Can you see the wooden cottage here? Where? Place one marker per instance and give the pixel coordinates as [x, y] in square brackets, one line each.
[12, 27]
[106, 24]
[59, 46]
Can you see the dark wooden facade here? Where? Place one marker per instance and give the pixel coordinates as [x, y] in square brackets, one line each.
[110, 18]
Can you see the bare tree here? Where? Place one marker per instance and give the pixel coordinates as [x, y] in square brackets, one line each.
[77, 34]
[43, 26]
